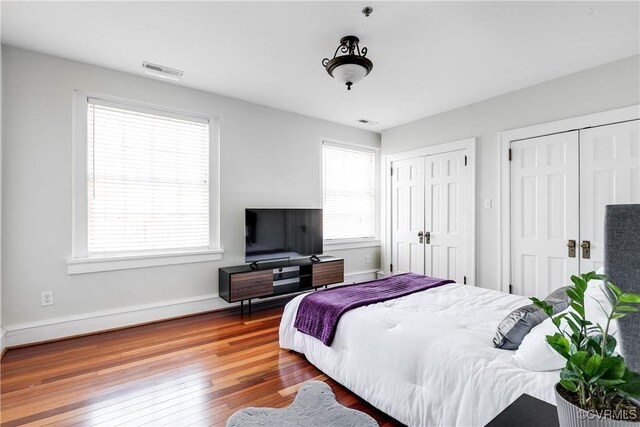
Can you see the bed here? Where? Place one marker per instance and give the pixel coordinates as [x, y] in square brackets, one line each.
[428, 359]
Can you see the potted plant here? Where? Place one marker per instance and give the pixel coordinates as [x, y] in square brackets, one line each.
[596, 388]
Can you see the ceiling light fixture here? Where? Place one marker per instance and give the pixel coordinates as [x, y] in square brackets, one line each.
[351, 67]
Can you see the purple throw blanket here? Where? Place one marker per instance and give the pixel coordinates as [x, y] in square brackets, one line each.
[318, 313]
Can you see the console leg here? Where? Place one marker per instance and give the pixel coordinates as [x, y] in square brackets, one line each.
[249, 305]
[241, 307]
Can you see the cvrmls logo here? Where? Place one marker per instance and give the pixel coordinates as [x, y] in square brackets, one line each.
[615, 414]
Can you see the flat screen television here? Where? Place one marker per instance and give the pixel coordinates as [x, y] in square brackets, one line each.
[282, 233]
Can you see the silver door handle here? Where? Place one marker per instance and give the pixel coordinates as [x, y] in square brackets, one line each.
[586, 249]
[427, 235]
[571, 245]
[420, 235]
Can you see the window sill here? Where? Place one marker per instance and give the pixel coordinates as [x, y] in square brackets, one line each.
[337, 245]
[94, 265]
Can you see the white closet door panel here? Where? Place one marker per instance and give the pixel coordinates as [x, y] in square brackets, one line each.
[447, 213]
[407, 216]
[544, 212]
[609, 174]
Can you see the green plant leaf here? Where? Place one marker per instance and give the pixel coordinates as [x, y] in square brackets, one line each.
[597, 329]
[537, 301]
[578, 361]
[574, 317]
[568, 374]
[559, 344]
[602, 277]
[575, 294]
[557, 320]
[631, 386]
[573, 326]
[569, 385]
[545, 306]
[629, 297]
[613, 367]
[593, 345]
[578, 308]
[614, 289]
[608, 348]
[592, 365]
[627, 308]
[579, 282]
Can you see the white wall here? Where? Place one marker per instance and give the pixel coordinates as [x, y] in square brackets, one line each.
[268, 158]
[598, 89]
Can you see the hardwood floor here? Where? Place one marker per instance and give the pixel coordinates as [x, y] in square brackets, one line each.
[196, 370]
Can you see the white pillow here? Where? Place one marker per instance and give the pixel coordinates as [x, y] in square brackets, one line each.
[535, 354]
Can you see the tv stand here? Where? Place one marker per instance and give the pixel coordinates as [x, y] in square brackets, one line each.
[267, 279]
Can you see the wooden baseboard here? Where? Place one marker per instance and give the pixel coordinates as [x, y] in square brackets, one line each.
[99, 322]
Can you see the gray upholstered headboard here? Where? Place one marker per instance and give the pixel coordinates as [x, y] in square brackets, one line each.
[622, 265]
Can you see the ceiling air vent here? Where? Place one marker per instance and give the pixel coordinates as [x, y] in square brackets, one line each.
[367, 122]
[162, 71]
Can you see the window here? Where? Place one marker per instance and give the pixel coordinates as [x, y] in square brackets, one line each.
[146, 183]
[349, 196]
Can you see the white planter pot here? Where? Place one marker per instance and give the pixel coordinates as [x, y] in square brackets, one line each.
[571, 415]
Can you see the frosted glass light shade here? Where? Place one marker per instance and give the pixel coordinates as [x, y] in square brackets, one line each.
[349, 73]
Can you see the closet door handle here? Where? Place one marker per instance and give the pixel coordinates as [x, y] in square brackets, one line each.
[420, 235]
[427, 235]
[571, 245]
[586, 249]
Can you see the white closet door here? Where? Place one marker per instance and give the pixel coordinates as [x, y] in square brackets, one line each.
[609, 174]
[407, 216]
[544, 212]
[446, 216]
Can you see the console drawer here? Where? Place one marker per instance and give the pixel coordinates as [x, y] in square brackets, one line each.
[328, 273]
[251, 285]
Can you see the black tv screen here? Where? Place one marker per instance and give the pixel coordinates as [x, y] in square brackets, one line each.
[282, 233]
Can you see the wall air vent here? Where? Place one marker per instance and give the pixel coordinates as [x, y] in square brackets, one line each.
[162, 71]
[367, 122]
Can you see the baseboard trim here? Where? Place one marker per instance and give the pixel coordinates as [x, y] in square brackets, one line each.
[3, 342]
[360, 276]
[59, 328]
[89, 323]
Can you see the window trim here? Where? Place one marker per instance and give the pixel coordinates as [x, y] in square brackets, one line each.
[80, 261]
[350, 242]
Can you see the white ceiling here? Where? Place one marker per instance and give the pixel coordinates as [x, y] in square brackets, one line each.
[428, 57]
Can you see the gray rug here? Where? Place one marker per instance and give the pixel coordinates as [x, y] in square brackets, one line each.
[315, 405]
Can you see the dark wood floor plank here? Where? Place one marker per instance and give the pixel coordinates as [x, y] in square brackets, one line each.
[195, 370]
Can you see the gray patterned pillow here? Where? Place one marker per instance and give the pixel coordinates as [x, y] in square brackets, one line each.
[513, 328]
[559, 294]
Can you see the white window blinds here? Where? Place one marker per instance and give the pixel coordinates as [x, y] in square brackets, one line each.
[148, 180]
[349, 192]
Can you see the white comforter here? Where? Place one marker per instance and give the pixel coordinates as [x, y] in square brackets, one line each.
[426, 359]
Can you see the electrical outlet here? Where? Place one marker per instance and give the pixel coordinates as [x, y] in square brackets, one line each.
[46, 298]
[367, 259]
